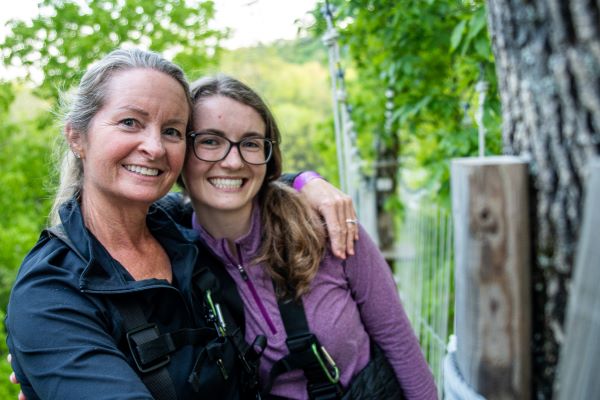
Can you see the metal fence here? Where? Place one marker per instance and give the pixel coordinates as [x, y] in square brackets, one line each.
[423, 269]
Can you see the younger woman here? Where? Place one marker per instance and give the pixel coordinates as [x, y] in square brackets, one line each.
[276, 253]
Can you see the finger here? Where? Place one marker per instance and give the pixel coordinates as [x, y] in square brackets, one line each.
[344, 230]
[9, 358]
[352, 213]
[355, 230]
[22, 396]
[13, 378]
[352, 228]
[336, 229]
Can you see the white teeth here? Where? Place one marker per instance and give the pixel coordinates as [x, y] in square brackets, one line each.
[142, 170]
[222, 183]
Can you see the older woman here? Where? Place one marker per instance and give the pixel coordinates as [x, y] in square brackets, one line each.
[117, 276]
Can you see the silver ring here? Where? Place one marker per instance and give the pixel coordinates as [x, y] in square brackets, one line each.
[351, 221]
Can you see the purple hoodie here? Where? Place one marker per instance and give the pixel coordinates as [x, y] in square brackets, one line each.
[346, 307]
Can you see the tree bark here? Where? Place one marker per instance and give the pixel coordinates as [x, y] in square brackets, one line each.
[548, 66]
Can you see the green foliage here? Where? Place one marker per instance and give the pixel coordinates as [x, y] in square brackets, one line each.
[7, 389]
[419, 61]
[68, 35]
[25, 140]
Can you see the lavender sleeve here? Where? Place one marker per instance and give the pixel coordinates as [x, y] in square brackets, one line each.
[385, 320]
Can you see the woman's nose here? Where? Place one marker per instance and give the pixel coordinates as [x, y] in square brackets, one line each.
[233, 159]
[153, 145]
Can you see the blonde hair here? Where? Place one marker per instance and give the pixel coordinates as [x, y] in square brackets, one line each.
[293, 242]
[89, 97]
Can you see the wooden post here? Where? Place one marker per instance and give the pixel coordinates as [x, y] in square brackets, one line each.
[492, 269]
[580, 354]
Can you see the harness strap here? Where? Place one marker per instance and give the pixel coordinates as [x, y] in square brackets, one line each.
[306, 353]
[156, 378]
[152, 349]
[228, 305]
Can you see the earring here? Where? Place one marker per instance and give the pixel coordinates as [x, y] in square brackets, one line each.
[76, 154]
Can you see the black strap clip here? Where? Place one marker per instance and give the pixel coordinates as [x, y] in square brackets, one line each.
[300, 343]
[324, 391]
[144, 361]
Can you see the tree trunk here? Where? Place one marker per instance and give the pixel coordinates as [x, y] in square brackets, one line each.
[548, 66]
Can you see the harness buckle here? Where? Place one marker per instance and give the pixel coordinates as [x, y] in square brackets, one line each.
[301, 342]
[324, 391]
[138, 337]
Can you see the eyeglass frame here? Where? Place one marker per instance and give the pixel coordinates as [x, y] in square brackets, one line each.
[194, 134]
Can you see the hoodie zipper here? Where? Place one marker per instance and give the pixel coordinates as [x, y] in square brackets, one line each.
[261, 307]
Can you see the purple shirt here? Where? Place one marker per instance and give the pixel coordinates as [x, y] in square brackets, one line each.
[346, 307]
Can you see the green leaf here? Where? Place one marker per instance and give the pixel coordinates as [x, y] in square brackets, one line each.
[477, 23]
[483, 48]
[457, 35]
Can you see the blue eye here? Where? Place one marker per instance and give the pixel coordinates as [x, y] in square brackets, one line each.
[130, 122]
[173, 133]
[208, 142]
[253, 144]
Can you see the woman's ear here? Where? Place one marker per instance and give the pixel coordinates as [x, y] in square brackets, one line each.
[74, 139]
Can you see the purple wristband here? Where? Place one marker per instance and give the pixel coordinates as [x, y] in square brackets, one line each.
[304, 178]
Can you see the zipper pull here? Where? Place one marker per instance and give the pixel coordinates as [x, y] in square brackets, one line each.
[243, 272]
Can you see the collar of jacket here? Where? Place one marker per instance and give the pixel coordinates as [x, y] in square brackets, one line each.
[249, 243]
[179, 208]
[103, 273]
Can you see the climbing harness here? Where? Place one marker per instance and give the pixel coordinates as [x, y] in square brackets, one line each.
[306, 353]
[221, 304]
[224, 352]
[376, 381]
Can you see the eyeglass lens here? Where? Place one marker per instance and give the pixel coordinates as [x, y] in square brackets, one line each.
[253, 150]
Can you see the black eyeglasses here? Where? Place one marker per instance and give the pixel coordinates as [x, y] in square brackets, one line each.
[211, 147]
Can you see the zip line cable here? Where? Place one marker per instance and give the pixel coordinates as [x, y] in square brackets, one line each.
[352, 180]
[341, 119]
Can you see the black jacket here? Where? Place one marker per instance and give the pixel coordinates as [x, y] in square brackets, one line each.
[64, 331]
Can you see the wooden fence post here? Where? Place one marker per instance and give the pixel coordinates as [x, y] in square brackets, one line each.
[580, 354]
[492, 270]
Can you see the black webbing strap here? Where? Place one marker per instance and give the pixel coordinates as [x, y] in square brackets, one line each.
[234, 310]
[155, 377]
[212, 277]
[302, 345]
[151, 350]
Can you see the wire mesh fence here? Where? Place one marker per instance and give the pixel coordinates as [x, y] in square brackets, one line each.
[423, 269]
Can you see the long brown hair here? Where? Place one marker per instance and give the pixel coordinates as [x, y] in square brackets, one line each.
[293, 241]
